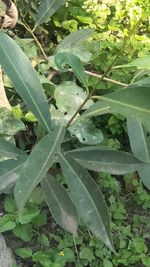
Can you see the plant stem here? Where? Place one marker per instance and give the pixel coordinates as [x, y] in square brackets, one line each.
[81, 106]
[100, 76]
[36, 40]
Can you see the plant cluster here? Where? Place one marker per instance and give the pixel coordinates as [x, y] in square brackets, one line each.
[80, 111]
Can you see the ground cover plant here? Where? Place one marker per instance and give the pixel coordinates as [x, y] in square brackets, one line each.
[75, 131]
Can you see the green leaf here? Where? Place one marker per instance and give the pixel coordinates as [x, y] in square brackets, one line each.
[139, 139]
[9, 123]
[10, 204]
[28, 214]
[60, 204]
[144, 172]
[36, 196]
[140, 63]
[107, 263]
[86, 132]
[24, 253]
[132, 102]
[24, 232]
[88, 199]
[69, 97]
[37, 165]
[74, 39]
[67, 58]
[8, 150]
[7, 223]
[40, 220]
[9, 172]
[47, 9]
[140, 145]
[98, 108]
[105, 160]
[24, 78]
[87, 254]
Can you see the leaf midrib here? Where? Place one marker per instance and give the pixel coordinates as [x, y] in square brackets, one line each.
[40, 173]
[125, 104]
[25, 87]
[101, 221]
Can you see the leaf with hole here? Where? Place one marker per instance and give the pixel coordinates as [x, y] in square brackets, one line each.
[69, 97]
[88, 199]
[60, 204]
[85, 131]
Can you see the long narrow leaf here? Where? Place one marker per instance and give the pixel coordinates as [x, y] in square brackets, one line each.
[139, 141]
[132, 102]
[88, 199]
[144, 172]
[37, 165]
[74, 39]
[24, 78]
[9, 150]
[9, 172]
[66, 58]
[106, 160]
[140, 145]
[60, 204]
[98, 108]
[47, 9]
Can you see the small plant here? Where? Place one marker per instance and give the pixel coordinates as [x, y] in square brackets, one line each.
[66, 137]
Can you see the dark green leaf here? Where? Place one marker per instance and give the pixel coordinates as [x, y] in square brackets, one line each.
[47, 9]
[24, 78]
[106, 160]
[8, 150]
[88, 199]
[132, 102]
[139, 139]
[60, 204]
[37, 165]
[9, 123]
[144, 173]
[140, 145]
[66, 58]
[9, 172]
[24, 253]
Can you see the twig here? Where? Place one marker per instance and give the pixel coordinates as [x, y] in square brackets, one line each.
[36, 40]
[100, 76]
